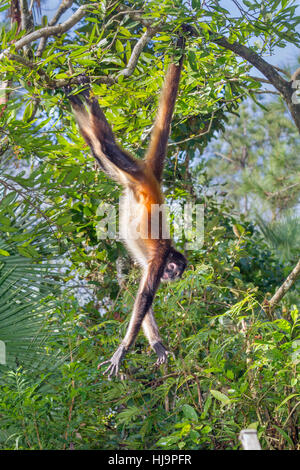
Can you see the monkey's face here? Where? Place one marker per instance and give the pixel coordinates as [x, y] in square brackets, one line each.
[174, 267]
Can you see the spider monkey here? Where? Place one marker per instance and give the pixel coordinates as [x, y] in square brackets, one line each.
[141, 180]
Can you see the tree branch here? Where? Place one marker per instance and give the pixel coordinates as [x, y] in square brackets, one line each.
[58, 83]
[206, 130]
[136, 52]
[16, 17]
[262, 92]
[219, 154]
[246, 53]
[135, 15]
[64, 6]
[259, 79]
[26, 17]
[269, 305]
[50, 30]
[283, 86]
[264, 67]
[284, 72]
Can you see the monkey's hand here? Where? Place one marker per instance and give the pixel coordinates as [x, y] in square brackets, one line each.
[114, 362]
[161, 352]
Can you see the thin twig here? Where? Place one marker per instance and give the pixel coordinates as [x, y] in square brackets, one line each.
[200, 134]
[28, 201]
[259, 79]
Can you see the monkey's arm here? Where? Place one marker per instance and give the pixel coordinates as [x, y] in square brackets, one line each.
[159, 137]
[142, 305]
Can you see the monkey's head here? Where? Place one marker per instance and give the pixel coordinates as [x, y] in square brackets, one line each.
[174, 267]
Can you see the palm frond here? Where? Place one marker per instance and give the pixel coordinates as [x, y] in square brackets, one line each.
[29, 284]
[283, 235]
[26, 298]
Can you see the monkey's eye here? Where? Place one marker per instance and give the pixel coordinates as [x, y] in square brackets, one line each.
[172, 266]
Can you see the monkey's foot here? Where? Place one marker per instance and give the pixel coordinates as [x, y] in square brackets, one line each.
[114, 362]
[83, 80]
[161, 352]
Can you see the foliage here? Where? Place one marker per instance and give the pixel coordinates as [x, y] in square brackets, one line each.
[283, 235]
[256, 162]
[232, 366]
[256, 165]
[27, 283]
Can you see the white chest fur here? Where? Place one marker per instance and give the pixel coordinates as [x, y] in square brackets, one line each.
[132, 216]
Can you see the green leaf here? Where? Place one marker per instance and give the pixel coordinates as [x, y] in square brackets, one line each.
[294, 315]
[196, 4]
[125, 32]
[221, 397]
[4, 252]
[28, 111]
[284, 434]
[119, 46]
[7, 200]
[189, 412]
[167, 441]
[28, 251]
[287, 399]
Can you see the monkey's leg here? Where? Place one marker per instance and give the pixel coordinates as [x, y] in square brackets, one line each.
[152, 334]
[99, 136]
